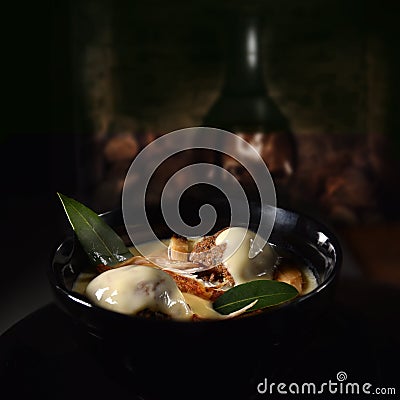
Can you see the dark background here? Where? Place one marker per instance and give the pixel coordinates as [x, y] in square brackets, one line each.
[165, 54]
[37, 152]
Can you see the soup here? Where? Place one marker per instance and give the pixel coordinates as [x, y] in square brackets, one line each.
[180, 278]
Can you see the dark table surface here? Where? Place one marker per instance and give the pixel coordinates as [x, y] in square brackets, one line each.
[43, 354]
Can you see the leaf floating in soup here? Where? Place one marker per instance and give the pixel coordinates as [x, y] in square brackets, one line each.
[226, 286]
[267, 292]
[98, 239]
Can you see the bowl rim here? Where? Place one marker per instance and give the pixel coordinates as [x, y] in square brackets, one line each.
[80, 300]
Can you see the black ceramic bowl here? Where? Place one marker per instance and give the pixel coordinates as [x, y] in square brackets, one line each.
[178, 355]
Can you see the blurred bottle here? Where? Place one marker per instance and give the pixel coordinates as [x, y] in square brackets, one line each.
[245, 108]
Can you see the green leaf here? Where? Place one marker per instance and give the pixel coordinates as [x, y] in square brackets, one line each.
[267, 292]
[98, 239]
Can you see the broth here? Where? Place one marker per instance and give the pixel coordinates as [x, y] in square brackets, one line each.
[200, 306]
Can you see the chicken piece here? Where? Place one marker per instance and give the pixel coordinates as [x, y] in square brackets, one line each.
[218, 276]
[290, 274]
[178, 249]
[206, 252]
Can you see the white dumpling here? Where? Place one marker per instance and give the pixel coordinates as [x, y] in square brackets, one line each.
[133, 288]
[237, 242]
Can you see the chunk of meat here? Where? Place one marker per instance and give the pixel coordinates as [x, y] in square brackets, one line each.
[178, 248]
[194, 286]
[290, 274]
[185, 283]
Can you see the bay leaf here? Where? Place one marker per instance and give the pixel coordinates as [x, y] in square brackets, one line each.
[267, 293]
[100, 242]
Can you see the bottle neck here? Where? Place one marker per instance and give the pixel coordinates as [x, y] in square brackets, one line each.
[243, 73]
